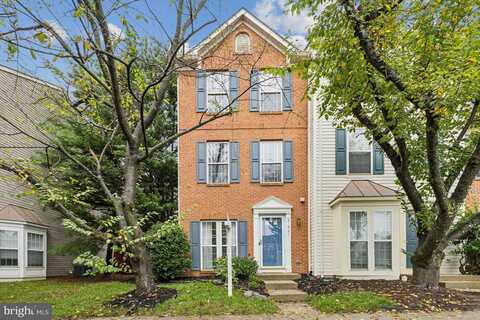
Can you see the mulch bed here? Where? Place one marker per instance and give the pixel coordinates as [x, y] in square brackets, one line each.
[133, 300]
[406, 295]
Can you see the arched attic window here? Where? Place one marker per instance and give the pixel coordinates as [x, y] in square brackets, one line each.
[242, 43]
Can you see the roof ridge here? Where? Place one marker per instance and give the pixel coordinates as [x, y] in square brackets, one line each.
[29, 77]
[353, 182]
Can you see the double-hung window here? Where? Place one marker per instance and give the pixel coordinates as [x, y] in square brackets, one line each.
[218, 162]
[270, 92]
[382, 224]
[271, 157]
[35, 249]
[8, 248]
[358, 240]
[218, 84]
[213, 242]
[377, 241]
[359, 152]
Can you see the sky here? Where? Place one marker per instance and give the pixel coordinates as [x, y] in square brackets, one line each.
[274, 13]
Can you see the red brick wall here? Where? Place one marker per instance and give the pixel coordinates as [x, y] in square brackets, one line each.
[473, 199]
[200, 201]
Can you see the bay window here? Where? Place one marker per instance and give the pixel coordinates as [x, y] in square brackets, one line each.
[217, 162]
[8, 248]
[35, 250]
[382, 223]
[270, 92]
[213, 242]
[358, 240]
[359, 152]
[364, 240]
[271, 157]
[218, 84]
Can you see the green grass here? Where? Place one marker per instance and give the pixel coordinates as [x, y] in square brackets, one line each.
[76, 299]
[205, 298]
[344, 302]
[68, 298]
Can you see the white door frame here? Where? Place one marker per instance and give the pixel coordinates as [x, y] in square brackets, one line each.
[274, 208]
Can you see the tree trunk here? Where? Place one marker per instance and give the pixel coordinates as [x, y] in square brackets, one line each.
[142, 267]
[426, 270]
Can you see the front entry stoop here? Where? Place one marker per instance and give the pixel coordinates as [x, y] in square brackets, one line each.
[461, 282]
[282, 287]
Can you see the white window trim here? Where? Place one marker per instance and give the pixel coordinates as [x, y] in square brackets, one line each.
[370, 240]
[208, 93]
[262, 162]
[261, 91]
[218, 245]
[36, 250]
[12, 248]
[236, 43]
[347, 147]
[209, 163]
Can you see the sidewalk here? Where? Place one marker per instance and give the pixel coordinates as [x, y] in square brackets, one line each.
[301, 311]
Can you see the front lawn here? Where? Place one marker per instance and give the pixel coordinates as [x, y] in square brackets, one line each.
[86, 298]
[68, 298]
[347, 302]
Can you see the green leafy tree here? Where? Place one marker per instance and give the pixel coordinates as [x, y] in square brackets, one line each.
[117, 96]
[409, 72]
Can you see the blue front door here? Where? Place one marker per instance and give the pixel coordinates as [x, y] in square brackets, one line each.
[272, 248]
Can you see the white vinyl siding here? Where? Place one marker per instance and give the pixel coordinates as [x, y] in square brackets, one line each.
[271, 161]
[218, 86]
[213, 242]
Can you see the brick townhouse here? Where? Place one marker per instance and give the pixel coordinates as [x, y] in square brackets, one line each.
[250, 166]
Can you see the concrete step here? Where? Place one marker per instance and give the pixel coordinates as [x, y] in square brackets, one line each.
[280, 285]
[288, 295]
[278, 276]
[461, 284]
[459, 277]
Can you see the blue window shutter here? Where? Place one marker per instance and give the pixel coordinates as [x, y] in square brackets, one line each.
[242, 234]
[255, 161]
[234, 90]
[195, 244]
[201, 162]
[234, 162]
[288, 161]
[287, 91]
[412, 240]
[340, 151]
[201, 91]
[254, 91]
[378, 162]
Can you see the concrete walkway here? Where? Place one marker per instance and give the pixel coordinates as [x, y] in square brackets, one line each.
[301, 311]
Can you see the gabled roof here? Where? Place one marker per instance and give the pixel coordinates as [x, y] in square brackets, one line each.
[365, 189]
[19, 214]
[228, 26]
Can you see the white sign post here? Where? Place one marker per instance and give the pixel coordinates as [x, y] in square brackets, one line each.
[228, 226]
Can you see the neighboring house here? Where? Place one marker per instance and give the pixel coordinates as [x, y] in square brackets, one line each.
[250, 167]
[28, 232]
[304, 195]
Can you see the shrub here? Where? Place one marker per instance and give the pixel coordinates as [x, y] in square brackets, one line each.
[255, 283]
[169, 250]
[244, 268]
[468, 247]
